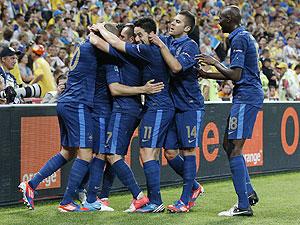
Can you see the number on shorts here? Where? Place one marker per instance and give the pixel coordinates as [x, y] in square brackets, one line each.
[192, 132]
[147, 133]
[233, 123]
[109, 135]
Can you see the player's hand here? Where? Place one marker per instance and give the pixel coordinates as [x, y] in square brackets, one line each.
[152, 88]
[93, 38]
[202, 73]
[154, 39]
[206, 60]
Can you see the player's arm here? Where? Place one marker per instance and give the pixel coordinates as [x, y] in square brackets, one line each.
[118, 89]
[208, 75]
[111, 38]
[225, 72]
[99, 42]
[171, 61]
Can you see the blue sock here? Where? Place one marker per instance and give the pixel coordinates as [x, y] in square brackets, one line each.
[49, 168]
[84, 181]
[152, 173]
[95, 179]
[77, 173]
[189, 174]
[126, 176]
[239, 180]
[250, 189]
[177, 165]
[108, 179]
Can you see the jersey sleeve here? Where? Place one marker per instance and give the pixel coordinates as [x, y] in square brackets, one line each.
[112, 74]
[115, 53]
[238, 52]
[186, 57]
[139, 51]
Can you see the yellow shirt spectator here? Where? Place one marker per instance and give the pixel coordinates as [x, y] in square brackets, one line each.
[57, 4]
[16, 73]
[42, 68]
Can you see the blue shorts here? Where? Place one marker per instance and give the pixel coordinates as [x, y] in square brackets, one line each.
[99, 133]
[185, 131]
[154, 127]
[119, 132]
[76, 127]
[241, 121]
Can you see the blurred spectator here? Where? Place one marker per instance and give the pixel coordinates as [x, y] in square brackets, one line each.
[226, 91]
[288, 83]
[209, 89]
[273, 95]
[42, 70]
[25, 71]
[52, 96]
[290, 52]
[268, 71]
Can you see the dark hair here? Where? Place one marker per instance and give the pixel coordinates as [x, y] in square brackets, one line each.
[19, 15]
[130, 30]
[146, 23]
[297, 66]
[189, 19]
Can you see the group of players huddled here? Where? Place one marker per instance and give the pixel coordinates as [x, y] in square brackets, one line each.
[101, 107]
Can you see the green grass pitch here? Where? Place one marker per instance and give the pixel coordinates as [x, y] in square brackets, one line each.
[279, 204]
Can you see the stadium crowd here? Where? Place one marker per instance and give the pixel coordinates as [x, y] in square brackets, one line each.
[47, 32]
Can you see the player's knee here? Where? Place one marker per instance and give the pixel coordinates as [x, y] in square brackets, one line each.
[171, 154]
[228, 147]
[113, 158]
[85, 154]
[147, 154]
[68, 154]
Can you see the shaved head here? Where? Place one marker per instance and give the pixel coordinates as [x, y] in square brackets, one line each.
[230, 18]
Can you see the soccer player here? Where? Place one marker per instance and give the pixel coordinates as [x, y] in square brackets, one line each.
[247, 101]
[159, 109]
[123, 121]
[74, 111]
[179, 53]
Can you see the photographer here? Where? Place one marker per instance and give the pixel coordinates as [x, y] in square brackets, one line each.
[10, 92]
[8, 59]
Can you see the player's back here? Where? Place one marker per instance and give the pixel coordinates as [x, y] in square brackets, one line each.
[80, 86]
[244, 55]
[153, 67]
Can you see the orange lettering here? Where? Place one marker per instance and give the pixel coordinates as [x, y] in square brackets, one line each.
[210, 141]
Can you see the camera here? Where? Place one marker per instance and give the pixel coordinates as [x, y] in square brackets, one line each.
[13, 95]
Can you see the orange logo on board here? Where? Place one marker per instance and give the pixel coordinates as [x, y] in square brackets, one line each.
[40, 140]
[253, 148]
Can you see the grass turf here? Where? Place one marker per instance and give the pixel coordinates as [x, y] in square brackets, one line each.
[279, 204]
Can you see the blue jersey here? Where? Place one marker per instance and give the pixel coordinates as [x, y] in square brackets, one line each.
[153, 67]
[102, 97]
[128, 75]
[184, 85]
[248, 90]
[80, 86]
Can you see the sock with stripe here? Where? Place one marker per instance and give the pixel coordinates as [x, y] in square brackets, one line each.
[126, 176]
[79, 169]
[189, 174]
[108, 179]
[152, 173]
[95, 179]
[48, 169]
[177, 165]
[239, 180]
[249, 186]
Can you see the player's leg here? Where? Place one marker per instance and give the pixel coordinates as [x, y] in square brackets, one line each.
[239, 128]
[108, 179]
[188, 129]
[153, 130]
[120, 131]
[176, 161]
[97, 164]
[81, 136]
[56, 162]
